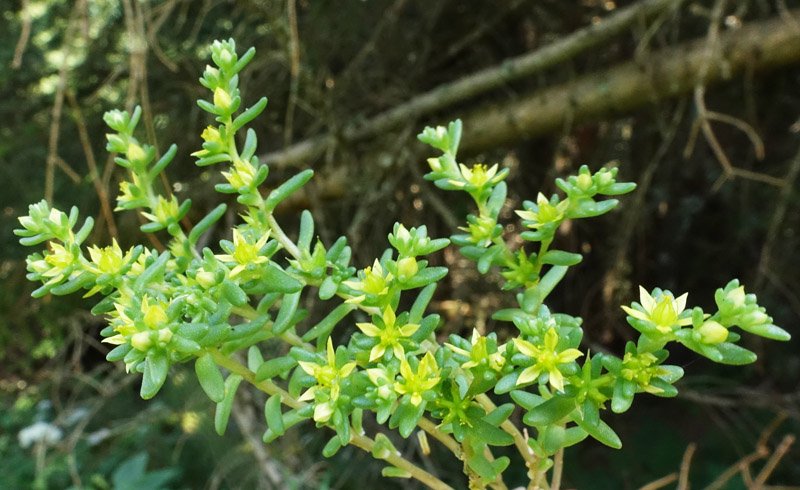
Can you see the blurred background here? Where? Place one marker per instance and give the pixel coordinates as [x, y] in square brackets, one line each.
[697, 101]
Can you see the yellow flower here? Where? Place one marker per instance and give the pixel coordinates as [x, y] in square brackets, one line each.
[418, 383]
[663, 311]
[108, 260]
[544, 212]
[476, 176]
[242, 175]
[329, 378]
[244, 252]
[479, 354]
[389, 336]
[154, 315]
[373, 280]
[547, 360]
[165, 210]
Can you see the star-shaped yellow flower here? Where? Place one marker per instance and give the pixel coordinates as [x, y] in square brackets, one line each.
[389, 336]
[547, 360]
[663, 310]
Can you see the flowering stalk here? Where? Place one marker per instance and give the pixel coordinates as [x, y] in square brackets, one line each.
[204, 305]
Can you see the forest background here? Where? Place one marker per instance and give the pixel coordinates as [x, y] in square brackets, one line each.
[697, 101]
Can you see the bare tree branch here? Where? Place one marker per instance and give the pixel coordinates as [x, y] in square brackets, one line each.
[478, 83]
[665, 74]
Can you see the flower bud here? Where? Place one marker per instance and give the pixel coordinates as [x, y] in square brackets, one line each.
[205, 278]
[712, 332]
[135, 153]
[736, 297]
[141, 341]
[222, 98]
[164, 335]
[407, 268]
[584, 182]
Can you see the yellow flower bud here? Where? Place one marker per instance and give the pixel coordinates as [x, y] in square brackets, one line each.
[205, 278]
[141, 341]
[712, 332]
[584, 181]
[164, 335]
[222, 98]
[407, 268]
[135, 153]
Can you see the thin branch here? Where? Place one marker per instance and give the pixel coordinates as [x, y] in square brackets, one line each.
[294, 71]
[667, 73]
[480, 82]
[24, 35]
[99, 188]
[661, 482]
[773, 233]
[686, 463]
[773, 461]
[361, 441]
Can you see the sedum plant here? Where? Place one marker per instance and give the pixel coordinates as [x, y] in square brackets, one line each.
[222, 308]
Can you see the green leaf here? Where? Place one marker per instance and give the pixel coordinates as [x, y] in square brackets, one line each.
[497, 199]
[224, 407]
[162, 162]
[156, 366]
[287, 189]
[254, 358]
[526, 399]
[332, 447]
[328, 288]
[421, 303]
[769, 331]
[618, 188]
[204, 224]
[155, 269]
[249, 114]
[590, 209]
[560, 257]
[277, 280]
[506, 383]
[735, 355]
[325, 326]
[622, 398]
[602, 432]
[306, 233]
[490, 434]
[405, 417]
[383, 447]
[426, 276]
[210, 377]
[277, 366]
[118, 352]
[286, 312]
[550, 280]
[499, 414]
[233, 293]
[550, 412]
[273, 415]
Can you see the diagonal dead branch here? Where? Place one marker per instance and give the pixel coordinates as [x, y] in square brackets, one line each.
[478, 83]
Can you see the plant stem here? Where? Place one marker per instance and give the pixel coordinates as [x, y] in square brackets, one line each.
[558, 467]
[397, 460]
[520, 441]
[360, 441]
[284, 240]
[450, 443]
